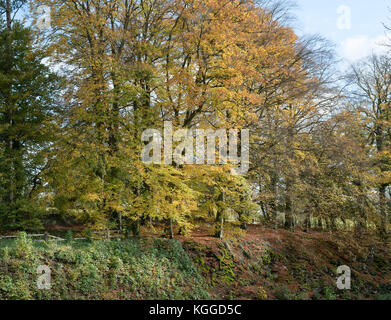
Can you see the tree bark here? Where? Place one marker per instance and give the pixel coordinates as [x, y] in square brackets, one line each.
[8, 14]
[383, 208]
[221, 230]
[120, 221]
[136, 228]
[10, 143]
[220, 218]
[171, 229]
[289, 222]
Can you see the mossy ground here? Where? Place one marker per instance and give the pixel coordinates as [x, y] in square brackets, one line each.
[260, 264]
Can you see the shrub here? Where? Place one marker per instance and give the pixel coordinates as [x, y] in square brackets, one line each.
[23, 245]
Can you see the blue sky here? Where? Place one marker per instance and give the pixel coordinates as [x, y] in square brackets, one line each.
[354, 39]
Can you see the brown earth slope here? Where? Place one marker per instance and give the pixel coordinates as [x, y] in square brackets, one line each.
[278, 264]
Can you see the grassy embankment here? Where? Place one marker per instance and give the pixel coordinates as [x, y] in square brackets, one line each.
[261, 264]
[124, 269]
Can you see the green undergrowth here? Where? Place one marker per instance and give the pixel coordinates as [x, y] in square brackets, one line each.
[282, 266]
[123, 269]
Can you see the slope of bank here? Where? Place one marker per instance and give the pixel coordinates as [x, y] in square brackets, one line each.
[261, 264]
[125, 269]
[278, 264]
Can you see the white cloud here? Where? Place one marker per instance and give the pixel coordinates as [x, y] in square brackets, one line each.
[359, 47]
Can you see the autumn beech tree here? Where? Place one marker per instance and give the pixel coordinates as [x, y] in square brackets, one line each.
[299, 96]
[107, 49]
[239, 69]
[372, 93]
[133, 65]
[219, 60]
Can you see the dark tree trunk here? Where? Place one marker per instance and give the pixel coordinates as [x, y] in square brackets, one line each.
[135, 227]
[243, 226]
[220, 231]
[120, 221]
[220, 219]
[10, 142]
[307, 223]
[171, 229]
[289, 221]
[383, 208]
[8, 14]
[320, 223]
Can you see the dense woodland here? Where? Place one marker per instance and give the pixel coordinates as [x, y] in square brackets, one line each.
[76, 97]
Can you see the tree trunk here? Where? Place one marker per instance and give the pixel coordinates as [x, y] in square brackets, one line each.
[120, 221]
[136, 228]
[11, 195]
[307, 223]
[289, 222]
[220, 218]
[320, 223]
[171, 229]
[383, 208]
[274, 189]
[243, 226]
[221, 230]
[8, 14]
